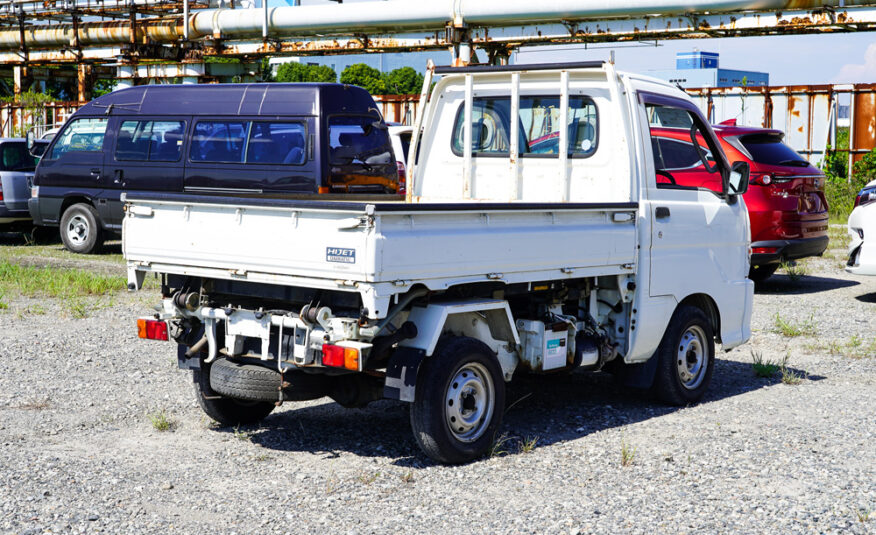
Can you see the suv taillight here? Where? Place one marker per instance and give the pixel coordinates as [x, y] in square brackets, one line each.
[402, 176]
[866, 196]
[761, 180]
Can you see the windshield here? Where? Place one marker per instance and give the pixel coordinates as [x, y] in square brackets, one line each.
[769, 149]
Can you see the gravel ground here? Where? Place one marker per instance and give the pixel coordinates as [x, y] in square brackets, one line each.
[81, 455]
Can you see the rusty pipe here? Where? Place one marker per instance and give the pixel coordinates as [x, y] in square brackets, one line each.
[390, 16]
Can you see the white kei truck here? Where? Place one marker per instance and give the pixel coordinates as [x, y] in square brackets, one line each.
[542, 232]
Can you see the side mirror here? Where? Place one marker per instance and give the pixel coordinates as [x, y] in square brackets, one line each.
[38, 149]
[737, 182]
[31, 139]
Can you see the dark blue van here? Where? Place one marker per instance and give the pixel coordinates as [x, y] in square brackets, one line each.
[233, 139]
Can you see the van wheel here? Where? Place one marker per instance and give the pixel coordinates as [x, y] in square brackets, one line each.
[226, 411]
[459, 401]
[686, 357]
[762, 273]
[80, 229]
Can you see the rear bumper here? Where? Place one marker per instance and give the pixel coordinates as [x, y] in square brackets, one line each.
[33, 207]
[788, 250]
[13, 217]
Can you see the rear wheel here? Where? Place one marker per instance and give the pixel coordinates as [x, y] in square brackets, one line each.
[762, 273]
[686, 357]
[459, 401]
[225, 410]
[80, 229]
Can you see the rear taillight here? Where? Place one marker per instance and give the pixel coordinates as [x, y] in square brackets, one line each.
[1, 192]
[763, 250]
[865, 196]
[402, 176]
[340, 357]
[152, 329]
[761, 180]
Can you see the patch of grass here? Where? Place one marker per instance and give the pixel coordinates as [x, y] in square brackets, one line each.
[527, 445]
[855, 348]
[628, 453]
[3, 304]
[763, 368]
[261, 457]
[408, 477]
[863, 515]
[500, 446]
[160, 421]
[790, 377]
[791, 329]
[794, 270]
[32, 281]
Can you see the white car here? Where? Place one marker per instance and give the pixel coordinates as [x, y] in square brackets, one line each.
[862, 224]
[401, 141]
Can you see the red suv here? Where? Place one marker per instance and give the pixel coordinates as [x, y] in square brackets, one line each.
[785, 201]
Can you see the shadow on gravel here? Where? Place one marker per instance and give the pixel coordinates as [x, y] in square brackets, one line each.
[554, 409]
[867, 298]
[783, 284]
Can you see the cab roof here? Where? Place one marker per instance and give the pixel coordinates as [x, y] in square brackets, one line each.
[269, 99]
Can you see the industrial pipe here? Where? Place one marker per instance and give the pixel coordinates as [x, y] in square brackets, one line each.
[390, 16]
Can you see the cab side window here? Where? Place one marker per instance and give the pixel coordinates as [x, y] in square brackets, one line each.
[682, 158]
[155, 141]
[80, 135]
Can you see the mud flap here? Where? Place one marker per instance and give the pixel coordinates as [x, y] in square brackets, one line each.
[184, 362]
[401, 373]
[639, 375]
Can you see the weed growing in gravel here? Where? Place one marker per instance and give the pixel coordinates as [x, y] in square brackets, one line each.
[500, 445]
[3, 304]
[527, 445]
[367, 479]
[628, 454]
[763, 368]
[262, 457]
[331, 483]
[863, 515]
[854, 348]
[794, 270]
[408, 477]
[790, 377]
[160, 422]
[242, 435]
[34, 405]
[792, 329]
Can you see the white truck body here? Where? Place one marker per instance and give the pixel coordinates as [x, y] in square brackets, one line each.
[498, 247]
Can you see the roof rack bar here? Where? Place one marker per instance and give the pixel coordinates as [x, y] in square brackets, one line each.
[520, 67]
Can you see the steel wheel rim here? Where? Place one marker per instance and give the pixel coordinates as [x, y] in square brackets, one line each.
[469, 402]
[692, 357]
[77, 229]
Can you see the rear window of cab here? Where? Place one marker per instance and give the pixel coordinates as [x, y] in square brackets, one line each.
[539, 126]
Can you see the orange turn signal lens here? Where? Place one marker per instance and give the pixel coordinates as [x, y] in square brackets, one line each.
[340, 357]
[351, 358]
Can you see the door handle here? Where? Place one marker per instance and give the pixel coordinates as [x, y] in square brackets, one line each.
[662, 212]
[118, 176]
[95, 171]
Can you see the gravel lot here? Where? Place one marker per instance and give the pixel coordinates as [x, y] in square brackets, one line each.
[80, 453]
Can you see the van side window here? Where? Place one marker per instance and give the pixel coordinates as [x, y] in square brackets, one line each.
[154, 141]
[276, 143]
[490, 127]
[677, 161]
[80, 135]
[218, 141]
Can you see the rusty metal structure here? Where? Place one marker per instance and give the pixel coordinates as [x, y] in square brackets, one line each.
[142, 41]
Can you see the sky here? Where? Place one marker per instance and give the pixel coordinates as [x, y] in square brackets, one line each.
[795, 59]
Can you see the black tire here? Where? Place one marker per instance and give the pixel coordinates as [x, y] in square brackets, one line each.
[248, 382]
[686, 357]
[225, 410]
[440, 385]
[80, 229]
[762, 273]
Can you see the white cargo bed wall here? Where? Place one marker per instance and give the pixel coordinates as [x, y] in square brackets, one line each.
[249, 242]
[399, 247]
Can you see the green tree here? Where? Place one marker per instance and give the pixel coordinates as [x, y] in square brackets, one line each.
[299, 72]
[102, 87]
[404, 81]
[364, 76]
